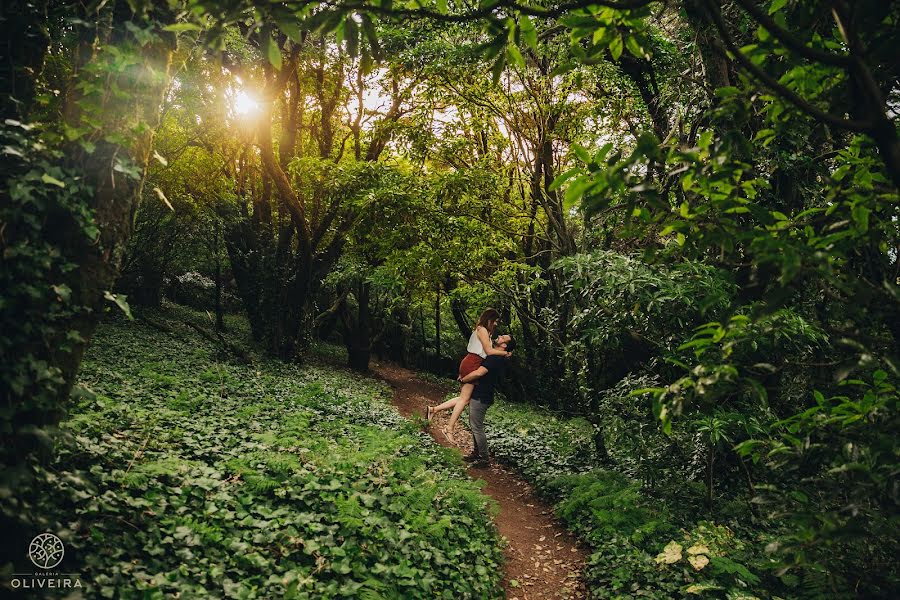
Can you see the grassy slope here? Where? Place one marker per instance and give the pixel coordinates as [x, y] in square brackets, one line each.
[208, 478]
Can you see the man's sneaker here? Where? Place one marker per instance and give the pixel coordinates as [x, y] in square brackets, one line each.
[480, 463]
[470, 458]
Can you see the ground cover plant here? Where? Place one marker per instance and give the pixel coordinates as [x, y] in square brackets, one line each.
[686, 212]
[646, 541]
[190, 473]
[643, 545]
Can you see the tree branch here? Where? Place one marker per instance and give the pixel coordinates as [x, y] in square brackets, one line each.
[782, 90]
[487, 11]
[791, 42]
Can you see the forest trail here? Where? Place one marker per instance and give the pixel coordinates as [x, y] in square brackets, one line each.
[543, 560]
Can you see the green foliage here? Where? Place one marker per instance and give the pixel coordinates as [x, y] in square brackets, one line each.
[627, 526]
[839, 454]
[722, 237]
[634, 440]
[199, 477]
[624, 294]
[602, 505]
[37, 302]
[542, 445]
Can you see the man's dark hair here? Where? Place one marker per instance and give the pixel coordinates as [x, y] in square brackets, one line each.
[511, 344]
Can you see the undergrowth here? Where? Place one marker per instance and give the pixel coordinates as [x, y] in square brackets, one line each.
[644, 543]
[185, 474]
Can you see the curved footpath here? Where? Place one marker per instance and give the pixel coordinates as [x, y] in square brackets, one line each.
[543, 560]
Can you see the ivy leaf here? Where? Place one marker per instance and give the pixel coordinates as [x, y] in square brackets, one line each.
[698, 549]
[699, 588]
[671, 554]
[120, 301]
[698, 562]
[63, 292]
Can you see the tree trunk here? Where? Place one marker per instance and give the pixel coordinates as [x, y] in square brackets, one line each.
[459, 316]
[437, 322]
[220, 319]
[357, 335]
[112, 177]
[23, 49]
[116, 196]
[715, 64]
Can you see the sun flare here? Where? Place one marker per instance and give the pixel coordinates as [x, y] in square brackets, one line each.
[245, 104]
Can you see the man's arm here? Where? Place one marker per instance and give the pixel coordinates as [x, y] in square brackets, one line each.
[476, 374]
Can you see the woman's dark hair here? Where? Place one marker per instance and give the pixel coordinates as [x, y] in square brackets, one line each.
[490, 314]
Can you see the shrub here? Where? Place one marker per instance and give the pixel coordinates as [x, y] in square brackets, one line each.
[198, 291]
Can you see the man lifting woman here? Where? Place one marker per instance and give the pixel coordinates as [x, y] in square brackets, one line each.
[480, 371]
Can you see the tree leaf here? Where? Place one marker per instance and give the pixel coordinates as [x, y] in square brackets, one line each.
[616, 46]
[776, 6]
[635, 47]
[288, 24]
[515, 57]
[182, 27]
[581, 153]
[497, 68]
[529, 33]
[273, 52]
[563, 177]
[369, 30]
[120, 301]
[351, 37]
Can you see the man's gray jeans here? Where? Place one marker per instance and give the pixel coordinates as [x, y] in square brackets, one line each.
[477, 410]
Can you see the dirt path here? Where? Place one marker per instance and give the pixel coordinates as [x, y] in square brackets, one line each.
[542, 559]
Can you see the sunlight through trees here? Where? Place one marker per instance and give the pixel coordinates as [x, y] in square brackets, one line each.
[686, 212]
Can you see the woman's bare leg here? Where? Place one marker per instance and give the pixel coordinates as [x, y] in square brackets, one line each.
[445, 406]
[464, 396]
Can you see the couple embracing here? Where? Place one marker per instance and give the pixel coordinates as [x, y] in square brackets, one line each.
[480, 372]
